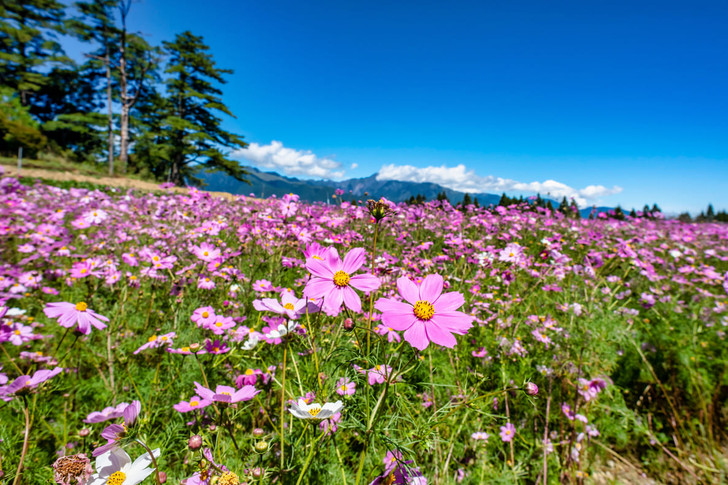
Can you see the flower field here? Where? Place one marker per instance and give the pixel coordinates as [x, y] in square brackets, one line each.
[179, 338]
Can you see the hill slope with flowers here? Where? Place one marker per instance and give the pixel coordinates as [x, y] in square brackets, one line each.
[165, 337]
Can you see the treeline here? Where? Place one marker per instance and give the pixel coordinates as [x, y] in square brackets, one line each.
[136, 107]
[708, 215]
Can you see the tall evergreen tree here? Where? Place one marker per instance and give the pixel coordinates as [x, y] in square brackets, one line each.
[27, 43]
[193, 134]
[97, 24]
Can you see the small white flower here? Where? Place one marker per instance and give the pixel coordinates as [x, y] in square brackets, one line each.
[250, 343]
[315, 411]
[116, 468]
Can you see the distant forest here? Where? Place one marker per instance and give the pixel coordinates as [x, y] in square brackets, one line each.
[152, 110]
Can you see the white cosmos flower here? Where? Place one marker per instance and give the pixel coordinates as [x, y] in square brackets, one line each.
[282, 330]
[250, 343]
[315, 411]
[116, 468]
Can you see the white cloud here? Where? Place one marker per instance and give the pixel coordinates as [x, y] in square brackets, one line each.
[354, 166]
[461, 179]
[290, 161]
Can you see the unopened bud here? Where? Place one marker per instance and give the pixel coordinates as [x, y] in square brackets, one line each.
[531, 389]
[258, 432]
[348, 324]
[162, 477]
[83, 432]
[261, 446]
[195, 442]
[258, 472]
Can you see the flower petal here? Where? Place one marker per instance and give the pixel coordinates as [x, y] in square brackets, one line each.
[351, 299]
[448, 302]
[354, 260]
[365, 282]
[440, 336]
[431, 287]
[457, 322]
[416, 336]
[408, 289]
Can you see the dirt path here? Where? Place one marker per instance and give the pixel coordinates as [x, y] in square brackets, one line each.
[12, 171]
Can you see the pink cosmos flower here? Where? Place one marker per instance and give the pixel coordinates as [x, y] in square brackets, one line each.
[221, 324]
[115, 432]
[106, 413]
[69, 314]
[196, 402]
[153, 342]
[345, 387]
[204, 316]
[206, 252]
[205, 283]
[332, 280]
[379, 374]
[250, 377]
[428, 316]
[28, 382]
[289, 305]
[226, 394]
[507, 432]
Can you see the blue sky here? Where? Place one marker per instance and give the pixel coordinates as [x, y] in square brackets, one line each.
[615, 102]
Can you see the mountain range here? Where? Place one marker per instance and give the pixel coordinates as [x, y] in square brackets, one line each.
[264, 184]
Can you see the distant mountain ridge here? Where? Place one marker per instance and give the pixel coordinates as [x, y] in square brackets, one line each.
[264, 184]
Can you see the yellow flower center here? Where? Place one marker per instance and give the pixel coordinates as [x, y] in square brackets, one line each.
[155, 258]
[424, 310]
[81, 306]
[218, 324]
[314, 412]
[341, 279]
[343, 388]
[17, 332]
[205, 253]
[194, 403]
[317, 257]
[226, 393]
[152, 338]
[289, 306]
[228, 478]
[249, 372]
[205, 314]
[83, 271]
[116, 478]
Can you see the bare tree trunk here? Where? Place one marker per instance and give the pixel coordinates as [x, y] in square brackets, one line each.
[111, 113]
[124, 120]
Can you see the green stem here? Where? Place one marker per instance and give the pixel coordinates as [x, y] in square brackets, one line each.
[154, 462]
[309, 457]
[26, 441]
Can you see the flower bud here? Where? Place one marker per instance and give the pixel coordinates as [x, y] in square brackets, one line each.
[348, 324]
[83, 432]
[257, 472]
[258, 432]
[162, 477]
[531, 389]
[195, 442]
[261, 446]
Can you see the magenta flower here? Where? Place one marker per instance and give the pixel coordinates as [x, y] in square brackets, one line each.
[226, 394]
[154, 341]
[332, 280]
[69, 314]
[345, 387]
[27, 382]
[106, 413]
[507, 432]
[196, 402]
[428, 316]
[292, 307]
[116, 432]
[204, 316]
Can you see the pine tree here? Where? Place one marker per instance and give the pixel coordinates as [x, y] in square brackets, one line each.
[476, 203]
[27, 43]
[193, 134]
[710, 213]
[98, 25]
[564, 205]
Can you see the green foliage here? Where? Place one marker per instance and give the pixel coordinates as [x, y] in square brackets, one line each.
[17, 126]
